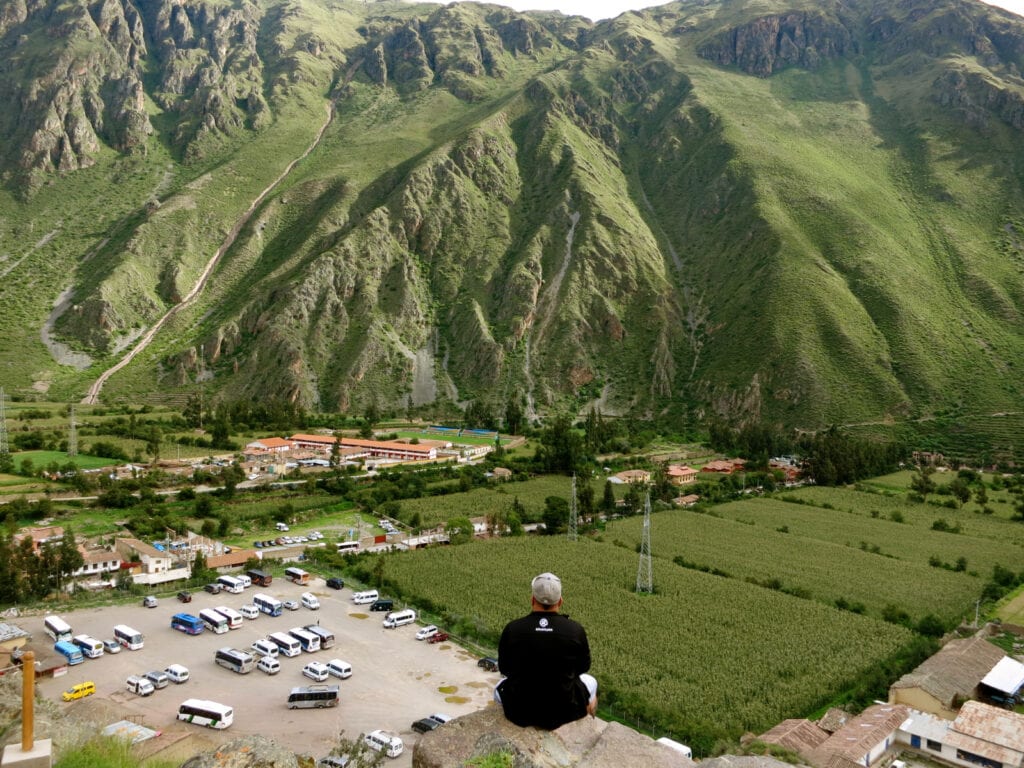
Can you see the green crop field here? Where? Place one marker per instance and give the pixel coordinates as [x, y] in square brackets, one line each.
[820, 570]
[479, 502]
[998, 526]
[44, 458]
[704, 657]
[912, 544]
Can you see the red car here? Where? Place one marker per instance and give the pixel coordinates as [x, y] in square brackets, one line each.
[440, 637]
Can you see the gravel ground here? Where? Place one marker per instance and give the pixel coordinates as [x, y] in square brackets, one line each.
[396, 679]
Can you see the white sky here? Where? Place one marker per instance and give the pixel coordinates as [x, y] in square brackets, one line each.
[606, 9]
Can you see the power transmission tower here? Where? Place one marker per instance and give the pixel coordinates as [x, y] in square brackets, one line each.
[73, 436]
[573, 511]
[645, 572]
[4, 447]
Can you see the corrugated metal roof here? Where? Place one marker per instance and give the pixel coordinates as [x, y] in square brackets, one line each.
[955, 670]
[1006, 676]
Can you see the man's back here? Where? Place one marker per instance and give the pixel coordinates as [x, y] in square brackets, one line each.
[542, 656]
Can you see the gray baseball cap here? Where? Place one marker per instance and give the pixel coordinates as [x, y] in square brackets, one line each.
[547, 589]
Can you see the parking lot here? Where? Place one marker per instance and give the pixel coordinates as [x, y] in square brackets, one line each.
[396, 679]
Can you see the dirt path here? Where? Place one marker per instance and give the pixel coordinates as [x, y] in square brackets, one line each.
[94, 391]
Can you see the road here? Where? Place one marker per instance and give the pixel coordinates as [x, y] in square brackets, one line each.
[92, 397]
[396, 678]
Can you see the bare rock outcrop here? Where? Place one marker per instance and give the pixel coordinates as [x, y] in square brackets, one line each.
[588, 742]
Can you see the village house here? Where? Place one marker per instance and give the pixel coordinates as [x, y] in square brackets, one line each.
[97, 562]
[979, 735]
[637, 476]
[270, 445]
[51, 534]
[151, 565]
[686, 501]
[725, 466]
[860, 742]
[680, 474]
[947, 678]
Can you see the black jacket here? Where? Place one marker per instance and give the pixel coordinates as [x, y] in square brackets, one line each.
[542, 656]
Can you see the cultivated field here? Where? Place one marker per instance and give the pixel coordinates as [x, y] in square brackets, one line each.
[704, 657]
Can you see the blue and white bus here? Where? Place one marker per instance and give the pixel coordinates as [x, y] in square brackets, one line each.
[310, 643]
[208, 713]
[187, 623]
[58, 629]
[267, 604]
[69, 651]
[214, 621]
[128, 637]
[91, 647]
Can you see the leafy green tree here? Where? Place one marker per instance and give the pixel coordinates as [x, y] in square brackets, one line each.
[585, 501]
[378, 572]
[981, 495]
[960, 490]
[68, 559]
[515, 524]
[608, 498]
[555, 515]
[561, 448]
[514, 415]
[208, 528]
[459, 530]
[192, 413]
[921, 483]
[154, 438]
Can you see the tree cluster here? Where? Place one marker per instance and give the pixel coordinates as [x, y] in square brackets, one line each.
[29, 575]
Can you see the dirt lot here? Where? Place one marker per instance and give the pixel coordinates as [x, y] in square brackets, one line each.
[396, 679]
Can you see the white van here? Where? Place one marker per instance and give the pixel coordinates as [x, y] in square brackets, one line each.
[384, 742]
[177, 672]
[268, 664]
[399, 618]
[682, 749]
[360, 598]
[309, 600]
[139, 685]
[265, 648]
[315, 671]
[246, 581]
[339, 668]
[249, 611]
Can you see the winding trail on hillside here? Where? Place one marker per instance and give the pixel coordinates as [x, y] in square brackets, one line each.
[94, 391]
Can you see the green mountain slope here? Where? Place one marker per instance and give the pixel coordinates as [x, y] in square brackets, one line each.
[793, 211]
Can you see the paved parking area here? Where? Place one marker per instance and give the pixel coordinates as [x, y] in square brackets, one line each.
[396, 679]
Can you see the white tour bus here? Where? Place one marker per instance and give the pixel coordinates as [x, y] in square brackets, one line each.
[347, 546]
[286, 644]
[128, 637]
[313, 697]
[231, 584]
[90, 646]
[325, 635]
[208, 713]
[310, 643]
[267, 604]
[235, 660]
[234, 617]
[58, 629]
[215, 621]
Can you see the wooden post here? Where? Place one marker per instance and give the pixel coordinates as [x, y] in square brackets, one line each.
[28, 682]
